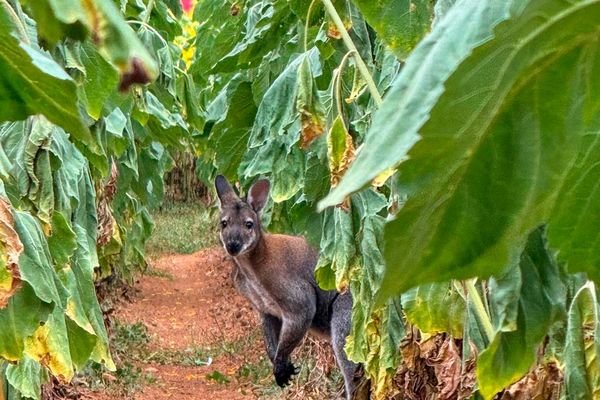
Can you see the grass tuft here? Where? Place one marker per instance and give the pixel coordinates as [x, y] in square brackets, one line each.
[182, 228]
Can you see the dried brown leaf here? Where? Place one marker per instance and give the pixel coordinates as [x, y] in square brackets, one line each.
[333, 32]
[106, 220]
[543, 383]
[349, 155]
[468, 377]
[447, 365]
[432, 368]
[312, 128]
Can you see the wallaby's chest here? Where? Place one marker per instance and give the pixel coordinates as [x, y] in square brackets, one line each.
[251, 286]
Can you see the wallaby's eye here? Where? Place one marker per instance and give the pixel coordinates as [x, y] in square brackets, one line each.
[249, 224]
[223, 224]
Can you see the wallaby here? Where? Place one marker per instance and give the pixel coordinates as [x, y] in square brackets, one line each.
[276, 273]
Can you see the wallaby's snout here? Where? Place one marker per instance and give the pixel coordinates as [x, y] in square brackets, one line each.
[233, 246]
[240, 223]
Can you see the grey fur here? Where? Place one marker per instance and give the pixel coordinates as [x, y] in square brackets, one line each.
[276, 273]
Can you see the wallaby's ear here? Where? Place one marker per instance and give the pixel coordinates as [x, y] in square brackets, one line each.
[259, 194]
[224, 190]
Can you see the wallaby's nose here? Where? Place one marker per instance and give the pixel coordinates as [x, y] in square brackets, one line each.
[234, 247]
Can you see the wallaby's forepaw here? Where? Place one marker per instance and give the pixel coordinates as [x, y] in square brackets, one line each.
[283, 373]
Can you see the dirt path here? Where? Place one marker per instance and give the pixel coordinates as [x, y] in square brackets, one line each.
[190, 306]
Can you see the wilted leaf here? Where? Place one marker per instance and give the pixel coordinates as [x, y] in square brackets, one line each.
[539, 302]
[340, 149]
[49, 346]
[433, 368]
[105, 217]
[276, 110]
[10, 250]
[309, 106]
[383, 177]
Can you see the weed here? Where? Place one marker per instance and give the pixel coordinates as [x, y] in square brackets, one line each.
[129, 343]
[182, 228]
[217, 377]
[160, 273]
[192, 356]
[129, 337]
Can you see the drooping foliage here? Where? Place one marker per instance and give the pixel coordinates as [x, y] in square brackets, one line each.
[459, 210]
[82, 156]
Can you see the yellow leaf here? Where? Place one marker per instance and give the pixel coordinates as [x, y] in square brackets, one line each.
[49, 345]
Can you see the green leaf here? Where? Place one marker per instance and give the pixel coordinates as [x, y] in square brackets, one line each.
[216, 37]
[228, 42]
[233, 113]
[99, 81]
[194, 114]
[441, 8]
[35, 264]
[418, 88]
[33, 83]
[338, 250]
[61, 242]
[490, 164]
[573, 220]
[400, 23]
[81, 344]
[582, 346]
[115, 39]
[288, 178]
[53, 18]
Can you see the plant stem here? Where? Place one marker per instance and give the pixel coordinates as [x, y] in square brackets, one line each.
[149, 8]
[480, 312]
[308, 14]
[360, 64]
[150, 28]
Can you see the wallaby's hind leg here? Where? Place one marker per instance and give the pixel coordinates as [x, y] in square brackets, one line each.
[340, 328]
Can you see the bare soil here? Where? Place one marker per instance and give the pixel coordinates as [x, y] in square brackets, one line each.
[189, 304]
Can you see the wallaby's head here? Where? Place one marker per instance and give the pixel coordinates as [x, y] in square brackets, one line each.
[240, 220]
